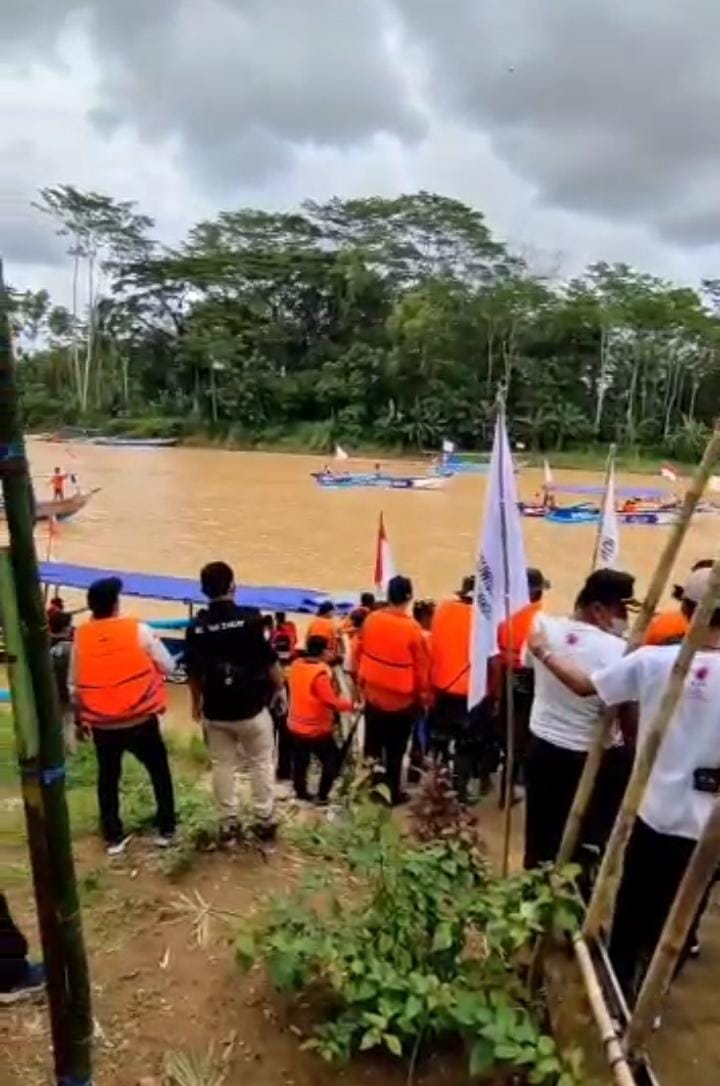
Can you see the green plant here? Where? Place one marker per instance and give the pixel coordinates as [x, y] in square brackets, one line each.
[429, 945]
[194, 1068]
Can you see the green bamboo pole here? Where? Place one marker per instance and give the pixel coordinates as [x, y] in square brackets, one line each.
[602, 902]
[655, 590]
[48, 824]
[698, 876]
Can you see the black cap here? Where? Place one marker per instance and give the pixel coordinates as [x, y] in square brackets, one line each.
[537, 581]
[467, 588]
[608, 586]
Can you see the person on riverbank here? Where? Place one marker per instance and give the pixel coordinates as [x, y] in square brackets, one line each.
[20, 978]
[325, 624]
[393, 672]
[61, 636]
[115, 680]
[314, 705]
[684, 784]
[563, 723]
[234, 676]
[448, 718]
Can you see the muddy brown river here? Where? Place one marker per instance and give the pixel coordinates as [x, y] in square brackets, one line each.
[168, 511]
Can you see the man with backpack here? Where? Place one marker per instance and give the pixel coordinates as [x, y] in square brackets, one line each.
[234, 676]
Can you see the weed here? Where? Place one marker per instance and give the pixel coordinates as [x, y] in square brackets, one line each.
[195, 1068]
[431, 946]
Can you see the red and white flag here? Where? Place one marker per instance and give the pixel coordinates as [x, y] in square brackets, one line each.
[669, 472]
[384, 561]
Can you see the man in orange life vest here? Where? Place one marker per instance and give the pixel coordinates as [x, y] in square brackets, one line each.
[393, 672]
[313, 705]
[116, 681]
[326, 625]
[670, 627]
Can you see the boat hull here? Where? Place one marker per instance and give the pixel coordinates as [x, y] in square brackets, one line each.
[60, 510]
[136, 442]
[383, 482]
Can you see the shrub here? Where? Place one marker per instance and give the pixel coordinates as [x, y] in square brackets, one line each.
[431, 946]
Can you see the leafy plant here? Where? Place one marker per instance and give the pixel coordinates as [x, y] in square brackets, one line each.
[428, 945]
[195, 1068]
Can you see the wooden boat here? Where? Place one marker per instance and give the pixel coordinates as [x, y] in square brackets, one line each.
[136, 442]
[348, 481]
[62, 509]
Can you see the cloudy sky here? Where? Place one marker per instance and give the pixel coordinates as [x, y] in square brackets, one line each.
[585, 129]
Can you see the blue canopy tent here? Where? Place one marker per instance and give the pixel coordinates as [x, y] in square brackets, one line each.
[185, 590]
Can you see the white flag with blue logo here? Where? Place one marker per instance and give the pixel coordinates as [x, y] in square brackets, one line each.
[609, 543]
[496, 592]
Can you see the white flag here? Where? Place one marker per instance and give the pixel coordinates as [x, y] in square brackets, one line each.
[384, 561]
[494, 594]
[448, 447]
[340, 453]
[549, 482]
[609, 541]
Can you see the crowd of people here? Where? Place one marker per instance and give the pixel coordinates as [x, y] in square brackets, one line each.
[271, 700]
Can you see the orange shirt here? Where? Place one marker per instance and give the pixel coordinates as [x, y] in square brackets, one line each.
[392, 660]
[450, 647]
[666, 628]
[513, 633]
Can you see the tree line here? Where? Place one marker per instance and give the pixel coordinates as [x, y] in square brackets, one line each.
[386, 321]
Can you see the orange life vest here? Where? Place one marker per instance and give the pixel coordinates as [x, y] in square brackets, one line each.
[450, 647]
[308, 716]
[327, 628]
[116, 681]
[666, 628]
[387, 662]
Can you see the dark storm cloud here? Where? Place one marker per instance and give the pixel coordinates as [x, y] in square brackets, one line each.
[610, 107]
[239, 84]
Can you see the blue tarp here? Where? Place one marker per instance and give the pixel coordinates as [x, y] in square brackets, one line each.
[620, 491]
[185, 590]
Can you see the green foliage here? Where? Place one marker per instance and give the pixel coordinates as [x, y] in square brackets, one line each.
[385, 322]
[419, 942]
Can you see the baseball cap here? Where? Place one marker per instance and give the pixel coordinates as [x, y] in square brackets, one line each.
[536, 579]
[678, 592]
[697, 585]
[609, 586]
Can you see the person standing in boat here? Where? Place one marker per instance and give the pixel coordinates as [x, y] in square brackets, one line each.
[115, 680]
[57, 482]
[234, 677]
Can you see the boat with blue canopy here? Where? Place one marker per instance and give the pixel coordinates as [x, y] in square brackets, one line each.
[350, 480]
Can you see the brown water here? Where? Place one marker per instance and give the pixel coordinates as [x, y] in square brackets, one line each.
[169, 511]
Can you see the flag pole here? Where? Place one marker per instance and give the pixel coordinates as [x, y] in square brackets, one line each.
[609, 466]
[508, 674]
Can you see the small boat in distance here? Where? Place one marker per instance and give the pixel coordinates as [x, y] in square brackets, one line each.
[136, 442]
[348, 481]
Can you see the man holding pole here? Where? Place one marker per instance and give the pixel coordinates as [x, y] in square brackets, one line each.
[684, 784]
[562, 722]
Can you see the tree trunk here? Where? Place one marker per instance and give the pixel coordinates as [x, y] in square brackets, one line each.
[600, 392]
[75, 345]
[90, 343]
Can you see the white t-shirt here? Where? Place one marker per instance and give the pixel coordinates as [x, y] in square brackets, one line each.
[671, 804]
[558, 716]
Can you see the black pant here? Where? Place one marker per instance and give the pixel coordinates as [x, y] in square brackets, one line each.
[284, 742]
[145, 742]
[326, 751]
[386, 739]
[13, 950]
[654, 867]
[552, 775]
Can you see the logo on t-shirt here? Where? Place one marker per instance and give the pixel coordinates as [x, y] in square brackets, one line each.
[571, 639]
[697, 686]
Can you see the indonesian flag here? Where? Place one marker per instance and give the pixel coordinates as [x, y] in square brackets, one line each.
[340, 453]
[501, 586]
[384, 561]
[548, 480]
[609, 542]
[669, 472]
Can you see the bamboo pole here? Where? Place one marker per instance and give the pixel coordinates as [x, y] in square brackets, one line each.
[614, 1053]
[602, 901]
[573, 826]
[48, 825]
[509, 689]
[696, 880]
[609, 465]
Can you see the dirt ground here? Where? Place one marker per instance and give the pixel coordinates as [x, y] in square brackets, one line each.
[155, 989]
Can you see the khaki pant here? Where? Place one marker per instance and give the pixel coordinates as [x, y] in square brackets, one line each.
[251, 741]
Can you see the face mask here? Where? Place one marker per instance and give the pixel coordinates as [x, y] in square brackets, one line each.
[619, 626]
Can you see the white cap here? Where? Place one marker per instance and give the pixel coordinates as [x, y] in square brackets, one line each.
[697, 585]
